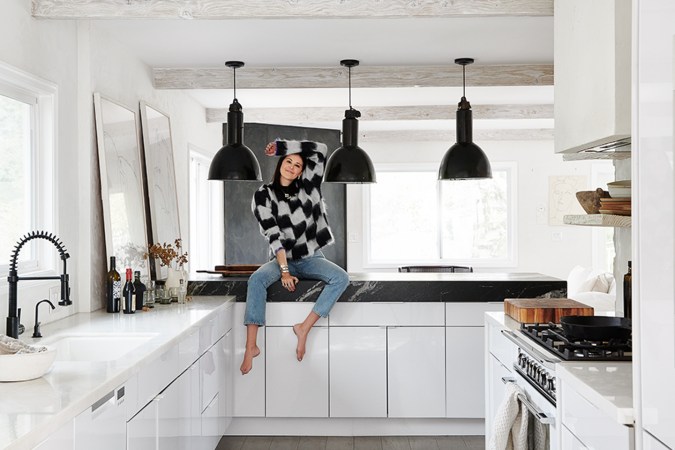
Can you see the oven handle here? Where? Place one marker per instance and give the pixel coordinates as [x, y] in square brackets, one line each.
[540, 416]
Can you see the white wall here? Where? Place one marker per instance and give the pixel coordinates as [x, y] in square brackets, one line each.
[537, 250]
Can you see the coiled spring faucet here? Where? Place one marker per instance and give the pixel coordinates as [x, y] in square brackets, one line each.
[14, 312]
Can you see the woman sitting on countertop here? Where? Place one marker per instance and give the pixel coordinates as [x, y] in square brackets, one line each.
[292, 217]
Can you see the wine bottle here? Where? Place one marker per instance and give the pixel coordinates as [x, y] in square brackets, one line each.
[113, 289]
[140, 289]
[128, 294]
[628, 293]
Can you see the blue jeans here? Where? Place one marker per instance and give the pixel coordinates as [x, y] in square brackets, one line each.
[315, 267]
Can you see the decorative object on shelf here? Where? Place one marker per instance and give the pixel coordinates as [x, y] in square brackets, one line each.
[350, 163]
[618, 206]
[590, 200]
[160, 174]
[234, 161]
[464, 160]
[172, 257]
[619, 189]
[121, 177]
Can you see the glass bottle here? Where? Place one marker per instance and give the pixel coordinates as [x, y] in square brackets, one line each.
[139, 289]
[113, 291]
[628, 293]
[128, 294]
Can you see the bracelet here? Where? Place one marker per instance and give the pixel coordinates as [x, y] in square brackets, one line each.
[284, 268]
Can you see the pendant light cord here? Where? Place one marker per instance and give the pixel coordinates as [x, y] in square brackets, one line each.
[463, 81]
[350, 87]
[234, 81]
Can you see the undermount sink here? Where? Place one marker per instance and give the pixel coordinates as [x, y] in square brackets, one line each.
[96, 347]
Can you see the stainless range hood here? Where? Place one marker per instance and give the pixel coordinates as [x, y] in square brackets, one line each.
[592, 89]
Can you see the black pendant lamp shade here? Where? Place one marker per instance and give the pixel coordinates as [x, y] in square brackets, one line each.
[234, 161]
[464, 160]
[349, 163]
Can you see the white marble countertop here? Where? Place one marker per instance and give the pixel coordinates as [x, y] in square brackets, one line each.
[31, 410]
[607, 385]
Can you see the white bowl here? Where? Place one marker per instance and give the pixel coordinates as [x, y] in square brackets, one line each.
[26, 366]
[619, 189]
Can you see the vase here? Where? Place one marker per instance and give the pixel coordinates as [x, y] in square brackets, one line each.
[174, 277]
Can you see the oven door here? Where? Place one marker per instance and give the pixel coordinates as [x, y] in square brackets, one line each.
[541, 410]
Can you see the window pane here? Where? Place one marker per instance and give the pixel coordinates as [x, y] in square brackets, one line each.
[403, 216]
[474, 218]
[15, 175]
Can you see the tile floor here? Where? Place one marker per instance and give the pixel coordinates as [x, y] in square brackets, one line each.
[351, 443]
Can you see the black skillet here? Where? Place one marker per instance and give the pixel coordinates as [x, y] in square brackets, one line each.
[596, 328]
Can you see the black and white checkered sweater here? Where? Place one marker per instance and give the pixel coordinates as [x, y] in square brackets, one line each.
[299, 224]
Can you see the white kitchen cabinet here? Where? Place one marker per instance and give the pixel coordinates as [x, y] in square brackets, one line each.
[142, 428]
[296, 388]
[61, 439]
[249, 390]
[179, 418]
[226, 387]
[649, 442]
[496, 391]
[465, 360]
[569, 441]
[358, 371]
[416, 371]
[103, 425]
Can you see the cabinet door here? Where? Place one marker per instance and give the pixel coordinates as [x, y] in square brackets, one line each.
[103, 425]
[249, 390]
[62, 439]
[416, 375]
[496, 390]
[297, 388]
[465, 369]
[570, 442]
[226, 389]
[358, 371]
[179, 411]
[142, 428]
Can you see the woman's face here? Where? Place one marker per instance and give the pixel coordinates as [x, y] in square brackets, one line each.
[290, 169]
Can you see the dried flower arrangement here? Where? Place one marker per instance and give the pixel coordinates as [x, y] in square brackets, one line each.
[168, 253]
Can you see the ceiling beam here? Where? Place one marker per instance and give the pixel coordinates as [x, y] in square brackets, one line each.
[373, 113]
[320, 9]
[362, 77]
[449, 136]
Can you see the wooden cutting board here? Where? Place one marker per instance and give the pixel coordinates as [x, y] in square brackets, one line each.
[544, 310]
[233, 269]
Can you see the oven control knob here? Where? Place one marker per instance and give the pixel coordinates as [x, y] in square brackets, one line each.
[551, 384]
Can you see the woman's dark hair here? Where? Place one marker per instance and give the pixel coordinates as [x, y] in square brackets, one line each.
[277, 171]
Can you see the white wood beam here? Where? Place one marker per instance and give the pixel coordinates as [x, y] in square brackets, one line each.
[362, 77]
[372, 113]
[220, 9]
[449, 136]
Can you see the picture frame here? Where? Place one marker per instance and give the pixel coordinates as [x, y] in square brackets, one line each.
[122, 191]
[161, 178]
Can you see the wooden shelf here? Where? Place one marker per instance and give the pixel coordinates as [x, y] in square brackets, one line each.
[598, 220]
[595, 155]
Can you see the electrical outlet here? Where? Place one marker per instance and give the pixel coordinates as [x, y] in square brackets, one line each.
[54, 295]
[541, 214]
[353, 237]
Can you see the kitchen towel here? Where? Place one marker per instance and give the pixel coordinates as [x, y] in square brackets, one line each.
[510, 423]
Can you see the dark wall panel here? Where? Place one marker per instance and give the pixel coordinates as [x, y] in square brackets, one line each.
[243, 242]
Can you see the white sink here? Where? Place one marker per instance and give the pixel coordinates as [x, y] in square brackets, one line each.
[97, 347]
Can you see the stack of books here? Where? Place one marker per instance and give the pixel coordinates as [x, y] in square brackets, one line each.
[617, 206]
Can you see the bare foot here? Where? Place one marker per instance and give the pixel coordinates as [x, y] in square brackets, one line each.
[301, 333]
[247, 364]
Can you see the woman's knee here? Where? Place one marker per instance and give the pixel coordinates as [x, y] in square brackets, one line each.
[342, 279]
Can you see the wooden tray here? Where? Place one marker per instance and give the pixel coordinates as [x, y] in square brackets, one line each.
[544, 310]
[233, 269]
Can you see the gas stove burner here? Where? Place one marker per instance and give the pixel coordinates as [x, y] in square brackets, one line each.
[570, 348]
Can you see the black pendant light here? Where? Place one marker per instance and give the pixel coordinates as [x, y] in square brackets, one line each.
[234, 161]
[349, 163]
[464, 160]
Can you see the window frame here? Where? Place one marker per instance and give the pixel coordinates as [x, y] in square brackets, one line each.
[511, 261]
[28, 88]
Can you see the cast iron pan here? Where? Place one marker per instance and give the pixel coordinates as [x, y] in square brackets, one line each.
[598, 328]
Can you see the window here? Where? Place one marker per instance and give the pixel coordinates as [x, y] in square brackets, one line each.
[206, 214]
[411, 217]
[27, 118]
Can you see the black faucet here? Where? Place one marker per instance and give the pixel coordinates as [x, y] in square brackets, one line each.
[36, 328]
[13, 278]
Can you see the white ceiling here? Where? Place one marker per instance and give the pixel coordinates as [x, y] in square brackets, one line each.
[324, 42]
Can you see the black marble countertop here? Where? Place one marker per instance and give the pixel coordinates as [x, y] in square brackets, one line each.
[399, 287]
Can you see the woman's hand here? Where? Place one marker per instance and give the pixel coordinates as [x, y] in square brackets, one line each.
[271, 149]
[289, 281]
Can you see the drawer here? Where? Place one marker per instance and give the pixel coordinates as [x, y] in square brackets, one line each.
[157, 375]
[188, 349]
[591, 425]
[469, 314]
[500, 347]
[285, 314]
[388, 314]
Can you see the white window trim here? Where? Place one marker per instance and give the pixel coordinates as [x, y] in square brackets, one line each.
[512, 186]
[45, 93]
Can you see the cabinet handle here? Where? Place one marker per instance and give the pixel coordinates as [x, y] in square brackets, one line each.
[506, 380]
